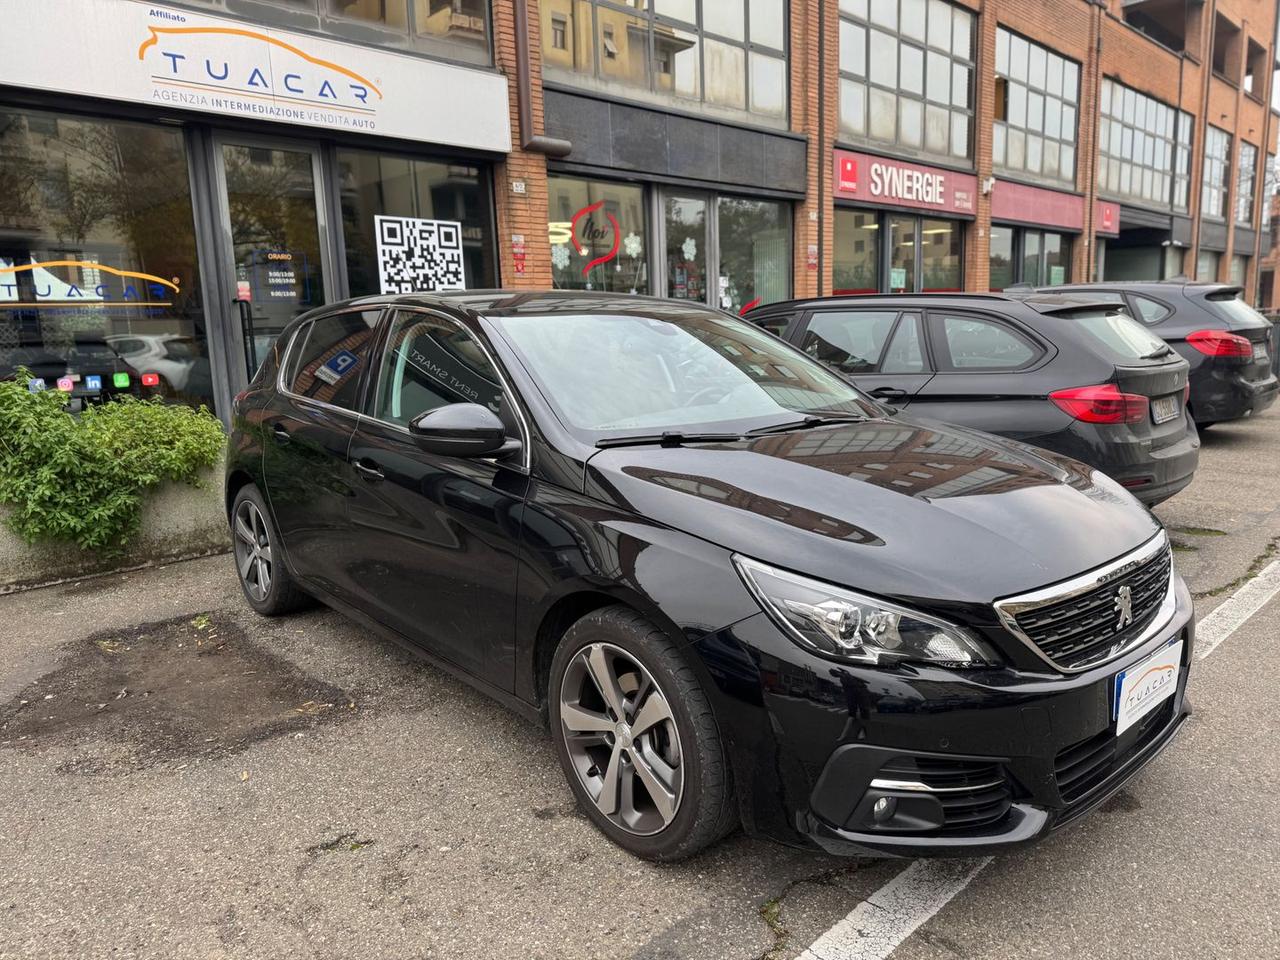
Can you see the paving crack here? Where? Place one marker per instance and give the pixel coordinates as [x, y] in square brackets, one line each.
[1269, 553]
[771, 909]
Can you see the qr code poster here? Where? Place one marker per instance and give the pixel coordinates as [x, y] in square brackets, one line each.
[416, 255]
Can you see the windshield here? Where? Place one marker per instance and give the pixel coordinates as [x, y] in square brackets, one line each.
[621, 373]
[1237, 311]
[1118, 334]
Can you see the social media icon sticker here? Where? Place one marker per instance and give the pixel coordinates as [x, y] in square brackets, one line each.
[93, 382]
[120, 380]
[151, 379]
[66, 384]
[36, 384]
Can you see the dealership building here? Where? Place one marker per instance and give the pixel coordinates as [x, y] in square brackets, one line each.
[177, 181]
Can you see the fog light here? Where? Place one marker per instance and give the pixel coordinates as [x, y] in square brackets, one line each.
[884, 809]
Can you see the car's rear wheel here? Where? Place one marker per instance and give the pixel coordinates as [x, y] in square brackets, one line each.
[637, 738]
[260, 566]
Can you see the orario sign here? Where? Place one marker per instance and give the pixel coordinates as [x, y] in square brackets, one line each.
[880, 180]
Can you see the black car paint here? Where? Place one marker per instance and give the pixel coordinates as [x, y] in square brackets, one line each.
[1159, 460]
[1222, 388]
[518, 553]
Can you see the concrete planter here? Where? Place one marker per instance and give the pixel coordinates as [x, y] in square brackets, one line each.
[178, 521]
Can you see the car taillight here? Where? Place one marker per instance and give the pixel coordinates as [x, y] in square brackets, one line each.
[1219, 343]
[1101, 404]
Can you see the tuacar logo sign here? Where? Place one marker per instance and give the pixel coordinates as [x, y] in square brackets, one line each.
[48, 283]
[251, 71]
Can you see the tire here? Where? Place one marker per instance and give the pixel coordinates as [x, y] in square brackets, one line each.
[259, 561]
[679, 747]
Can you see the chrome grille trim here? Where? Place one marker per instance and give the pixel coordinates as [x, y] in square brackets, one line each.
[1009, 608]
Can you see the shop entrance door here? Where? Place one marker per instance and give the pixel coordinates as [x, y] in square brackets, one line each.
[274, 238]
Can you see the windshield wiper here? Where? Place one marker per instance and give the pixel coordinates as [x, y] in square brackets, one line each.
[808, 423]
[1164, 351]
[668, 438]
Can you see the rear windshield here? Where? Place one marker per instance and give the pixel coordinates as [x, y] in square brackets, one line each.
[1118, 335]
[1236, 310]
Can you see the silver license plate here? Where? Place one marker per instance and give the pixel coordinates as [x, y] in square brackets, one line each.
[1260, 352]
[1164, 409]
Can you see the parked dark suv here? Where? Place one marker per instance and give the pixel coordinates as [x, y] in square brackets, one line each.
[1072, 376]
[736, 589]
[1228, 344]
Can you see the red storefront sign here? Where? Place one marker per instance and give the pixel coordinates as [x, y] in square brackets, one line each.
[1106, 218]
[1019, 203]
[879, 180]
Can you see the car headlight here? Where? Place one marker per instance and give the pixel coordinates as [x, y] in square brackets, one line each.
[850, 626]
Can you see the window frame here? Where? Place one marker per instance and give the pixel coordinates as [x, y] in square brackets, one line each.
[941, 359]
[1131, 299]
[1246, 178]
[285, 373]
[1113, 115]
[1220, 184]
[1008, 80]
[513, 398]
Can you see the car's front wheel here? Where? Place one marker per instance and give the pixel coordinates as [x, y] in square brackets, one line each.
[266, 582]
[637, 738]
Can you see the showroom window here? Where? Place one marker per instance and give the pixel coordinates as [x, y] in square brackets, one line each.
[754, 237]
[1246, 177]
[99, 282]
[599, 235]
[728, 55]
[1217, 173]
[1037, 257]
[450, 29]
[1144, 148]
[906, 75]
[896, 253]
[1036, 94]
[382, 192]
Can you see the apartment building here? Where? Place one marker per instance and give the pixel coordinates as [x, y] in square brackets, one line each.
[179, 180]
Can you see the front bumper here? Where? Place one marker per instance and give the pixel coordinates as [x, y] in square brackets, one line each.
[837, 728]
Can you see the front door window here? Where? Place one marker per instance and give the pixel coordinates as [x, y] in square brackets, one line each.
[274, 227]
[902, 254]
[686, 223]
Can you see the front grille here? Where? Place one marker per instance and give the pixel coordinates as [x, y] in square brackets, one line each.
[1081, 767]
[1081, 630]
[972, 793]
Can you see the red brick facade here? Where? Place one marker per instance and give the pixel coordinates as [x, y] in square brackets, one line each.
[1093, 34]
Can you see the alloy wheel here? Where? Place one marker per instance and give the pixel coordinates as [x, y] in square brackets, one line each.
[621, 737]
[253, 550]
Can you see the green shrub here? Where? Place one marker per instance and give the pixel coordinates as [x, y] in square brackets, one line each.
[82, 479]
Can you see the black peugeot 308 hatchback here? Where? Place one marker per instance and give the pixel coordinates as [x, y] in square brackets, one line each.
[736, 589]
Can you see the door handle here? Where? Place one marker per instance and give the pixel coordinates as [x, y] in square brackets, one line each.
[889, 393]
[280, 433]
[368, 470]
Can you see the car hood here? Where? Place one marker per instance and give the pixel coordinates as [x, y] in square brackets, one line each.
[899, 507]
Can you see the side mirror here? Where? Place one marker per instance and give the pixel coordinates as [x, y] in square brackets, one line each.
[462, 430]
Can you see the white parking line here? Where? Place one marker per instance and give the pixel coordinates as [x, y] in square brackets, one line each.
[877, 925]
[1224, 620]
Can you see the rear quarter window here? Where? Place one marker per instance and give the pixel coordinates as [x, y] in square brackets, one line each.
[968, 343]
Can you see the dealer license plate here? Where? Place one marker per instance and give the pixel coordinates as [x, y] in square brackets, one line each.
[1146, 685]
[1164, 409]
[1260, 351]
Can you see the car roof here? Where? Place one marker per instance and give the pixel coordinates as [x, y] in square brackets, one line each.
[508, 303]
[1187, 287]
[1043, 303]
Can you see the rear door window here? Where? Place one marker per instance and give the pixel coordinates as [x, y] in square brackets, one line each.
[851, 341]
[905, 353]
[330, 354]
[777, 324]
[963, 342]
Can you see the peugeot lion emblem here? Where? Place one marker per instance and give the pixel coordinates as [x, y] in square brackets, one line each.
[1124, 606]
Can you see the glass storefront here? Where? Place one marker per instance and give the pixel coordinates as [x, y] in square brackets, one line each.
[918, 254]
[99, 283]
[100, 271]
[1020, 255]
[729, 252]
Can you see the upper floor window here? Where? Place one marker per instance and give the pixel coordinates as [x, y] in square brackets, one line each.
[1226, 49]
[1167, 23]
[724, 55]
[1036, 94]
[1217, 173]
[1246, 176]
[906, 75]
[451, 29]
[1268, 189]
[1144, 148]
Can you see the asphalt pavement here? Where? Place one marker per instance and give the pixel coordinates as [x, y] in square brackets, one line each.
[182, 779]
